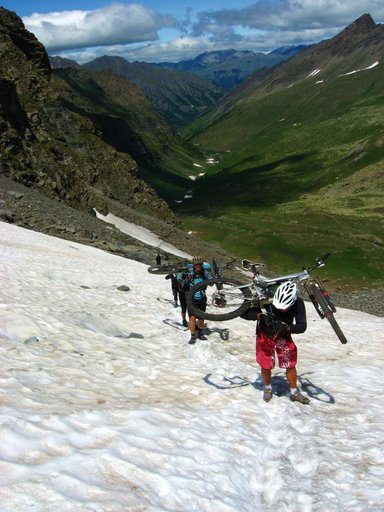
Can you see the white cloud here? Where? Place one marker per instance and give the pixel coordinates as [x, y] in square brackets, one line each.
[135, 32]
[291, 15]
[114, 24]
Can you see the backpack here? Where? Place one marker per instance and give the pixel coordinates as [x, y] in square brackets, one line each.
[193, 279]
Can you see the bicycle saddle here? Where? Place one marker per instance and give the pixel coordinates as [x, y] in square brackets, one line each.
[246, 264]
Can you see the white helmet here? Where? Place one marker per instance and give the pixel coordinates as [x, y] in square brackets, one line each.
[285, 296]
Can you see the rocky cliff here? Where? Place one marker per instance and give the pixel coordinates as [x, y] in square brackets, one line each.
[56, 147]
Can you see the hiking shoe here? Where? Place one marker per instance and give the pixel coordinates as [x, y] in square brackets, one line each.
[185, 323]
[192, 341]
[267, 395]
[298, 397]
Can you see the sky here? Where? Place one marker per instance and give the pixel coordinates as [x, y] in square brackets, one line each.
[105, 407]
[161, 30]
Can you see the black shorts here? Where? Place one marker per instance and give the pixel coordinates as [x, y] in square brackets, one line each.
[183, 301]
[201, 304]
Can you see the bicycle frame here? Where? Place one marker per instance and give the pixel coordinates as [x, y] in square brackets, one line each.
[262, 289]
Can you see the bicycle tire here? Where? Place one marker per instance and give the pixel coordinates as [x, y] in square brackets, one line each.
[237, 300]
[327, 311]
[325, 294]
[166, 269]
[314, 302]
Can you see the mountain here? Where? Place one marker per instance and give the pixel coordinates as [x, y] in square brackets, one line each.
[228, 68]
[81, 138]
[179, 97]
[298, 146]
[286, 52]
[300, 159]
[62, 63]
[357, 47]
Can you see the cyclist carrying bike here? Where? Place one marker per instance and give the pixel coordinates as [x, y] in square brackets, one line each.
[285, 316]
[180, 276]
[178, 292]
[198, 272]
[174, 287]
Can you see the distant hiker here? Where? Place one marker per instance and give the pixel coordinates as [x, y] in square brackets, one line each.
[181, 288]
[284, 316]
[174, 287]
[198, 272]
[158, 259]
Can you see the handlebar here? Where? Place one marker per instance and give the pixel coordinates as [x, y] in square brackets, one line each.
[319, 262]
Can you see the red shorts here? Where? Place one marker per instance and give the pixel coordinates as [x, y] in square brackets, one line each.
[285, 349]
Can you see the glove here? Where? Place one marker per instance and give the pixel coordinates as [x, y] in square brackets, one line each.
[266, 325]
[273, 328]
[281, 329]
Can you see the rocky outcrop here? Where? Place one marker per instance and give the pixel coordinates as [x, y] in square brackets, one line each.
[59, 147]
[28, 208]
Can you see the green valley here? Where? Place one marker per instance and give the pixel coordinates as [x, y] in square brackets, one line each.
[300, 173]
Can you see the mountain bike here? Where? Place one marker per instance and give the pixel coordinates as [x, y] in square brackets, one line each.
[169, 268]
[229, 298]
[185, 266]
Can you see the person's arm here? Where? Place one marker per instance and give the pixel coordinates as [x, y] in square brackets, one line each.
[300, 320]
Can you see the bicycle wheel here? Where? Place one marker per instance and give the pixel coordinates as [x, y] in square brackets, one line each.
[167, 269]
[225, 299]
[325, 310]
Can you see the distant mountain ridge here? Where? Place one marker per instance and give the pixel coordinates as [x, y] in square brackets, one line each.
[185, 90]
[180, 97]
[229, 68]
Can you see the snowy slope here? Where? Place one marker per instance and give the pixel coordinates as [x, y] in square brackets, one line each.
[110, 409]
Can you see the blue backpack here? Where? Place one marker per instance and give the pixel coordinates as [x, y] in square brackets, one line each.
[193, 279]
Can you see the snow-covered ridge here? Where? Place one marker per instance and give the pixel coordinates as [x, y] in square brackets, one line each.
[140, 233]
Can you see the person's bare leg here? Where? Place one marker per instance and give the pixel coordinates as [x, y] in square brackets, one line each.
[292, 377]
[266, 375]
[296, 396]
[192, 325]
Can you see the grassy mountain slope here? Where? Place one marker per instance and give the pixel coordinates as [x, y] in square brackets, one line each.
[301, 165]
[127, 121]
[180, 97]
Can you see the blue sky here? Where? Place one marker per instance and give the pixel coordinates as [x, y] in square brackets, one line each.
[173, 30]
